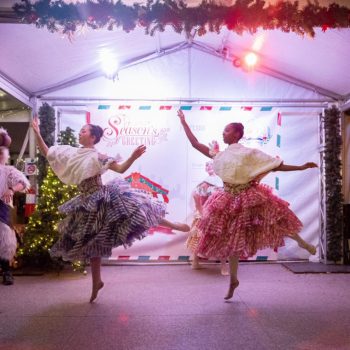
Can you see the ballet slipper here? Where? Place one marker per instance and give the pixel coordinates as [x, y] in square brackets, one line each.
[95, 291]
[231, 290]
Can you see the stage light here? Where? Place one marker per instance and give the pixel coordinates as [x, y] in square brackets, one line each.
[251, 59]
[109, 64]
[237, 62]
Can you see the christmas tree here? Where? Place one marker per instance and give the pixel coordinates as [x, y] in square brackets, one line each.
[41, 230]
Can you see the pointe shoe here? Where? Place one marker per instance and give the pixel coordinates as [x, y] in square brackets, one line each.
[181, 227]
[231, 290]
[95, 291]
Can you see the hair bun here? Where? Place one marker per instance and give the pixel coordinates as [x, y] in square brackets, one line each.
[5, 139]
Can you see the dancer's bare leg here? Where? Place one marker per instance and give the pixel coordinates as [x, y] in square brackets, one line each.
[175, 225]
[224, 268]
[97, 283]
[233, 261]
[303, 244]
[195, 262]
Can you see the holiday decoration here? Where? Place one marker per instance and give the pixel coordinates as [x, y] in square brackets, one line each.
[41, 230]
[333, 183]
[208, 16]
[148, 186]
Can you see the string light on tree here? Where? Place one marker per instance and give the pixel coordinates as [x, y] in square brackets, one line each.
[41, 231]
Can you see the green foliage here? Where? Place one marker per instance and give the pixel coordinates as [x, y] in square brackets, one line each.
[67, 137]
[47, 130]
[208, 16]
[333, 183]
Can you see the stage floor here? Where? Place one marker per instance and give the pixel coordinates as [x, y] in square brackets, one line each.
[174, 307]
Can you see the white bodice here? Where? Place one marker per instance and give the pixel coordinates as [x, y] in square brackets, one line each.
[238, 164]
[72, 165]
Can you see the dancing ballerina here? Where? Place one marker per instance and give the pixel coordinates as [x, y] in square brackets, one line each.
[102, 216]
[244, 216]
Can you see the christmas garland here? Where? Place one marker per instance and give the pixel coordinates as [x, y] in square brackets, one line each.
[333, 183]
[208, 16]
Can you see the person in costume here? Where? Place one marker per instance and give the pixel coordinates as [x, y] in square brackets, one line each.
[102, 216]
[244, 216]
[11, 181]
[200, 195]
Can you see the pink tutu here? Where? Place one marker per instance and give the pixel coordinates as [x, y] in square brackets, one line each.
[240, 224]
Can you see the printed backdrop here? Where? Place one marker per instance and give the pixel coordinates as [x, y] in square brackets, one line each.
[172, 168]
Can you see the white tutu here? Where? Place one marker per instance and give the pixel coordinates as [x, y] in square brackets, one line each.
[8, 242]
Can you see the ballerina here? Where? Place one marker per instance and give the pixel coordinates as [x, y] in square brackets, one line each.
[244, 216]
[102, 216]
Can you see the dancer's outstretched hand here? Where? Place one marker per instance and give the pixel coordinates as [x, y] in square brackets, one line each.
[309, 165]
[35, 125]
[138, 152]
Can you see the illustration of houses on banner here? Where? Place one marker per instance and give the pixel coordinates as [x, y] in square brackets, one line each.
[146, 185]
[257, 134]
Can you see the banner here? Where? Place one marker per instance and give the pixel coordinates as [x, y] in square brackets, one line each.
[171, 168]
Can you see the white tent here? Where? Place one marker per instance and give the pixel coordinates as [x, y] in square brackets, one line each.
[297, 76]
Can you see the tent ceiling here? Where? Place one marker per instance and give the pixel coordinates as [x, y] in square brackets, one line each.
[36, 59]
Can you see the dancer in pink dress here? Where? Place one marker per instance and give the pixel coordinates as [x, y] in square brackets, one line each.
[200, 195]
[244, 216]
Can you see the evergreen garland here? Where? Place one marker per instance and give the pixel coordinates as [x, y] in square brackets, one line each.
[47, 130]
[333, 183]
[208, 16]
[41, 231]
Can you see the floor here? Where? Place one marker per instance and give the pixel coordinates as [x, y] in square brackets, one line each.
[174, 307]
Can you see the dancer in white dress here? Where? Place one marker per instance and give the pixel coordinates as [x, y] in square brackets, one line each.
[102, 216]
[11, 181]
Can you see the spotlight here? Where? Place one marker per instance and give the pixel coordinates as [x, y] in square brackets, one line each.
[250, 59]
[109, 64]
[237, 62]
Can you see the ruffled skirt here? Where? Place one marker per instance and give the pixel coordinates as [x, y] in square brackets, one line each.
[104, 217]
[194, 234]
[240, 224]
[8, 242]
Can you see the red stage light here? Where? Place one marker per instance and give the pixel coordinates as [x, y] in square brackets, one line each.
[250, 59]
[237, 62]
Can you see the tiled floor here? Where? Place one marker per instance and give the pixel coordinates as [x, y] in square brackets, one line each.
[174, 307]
